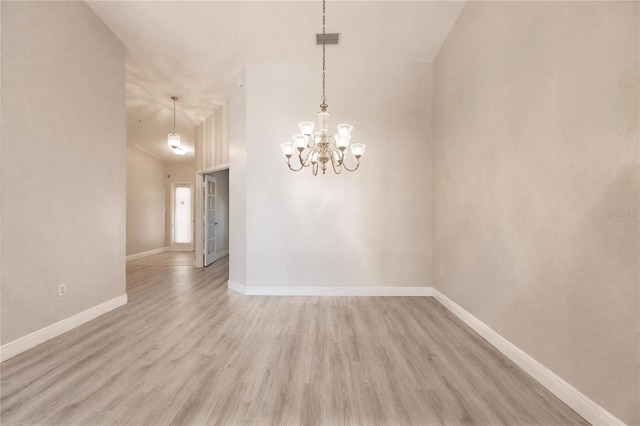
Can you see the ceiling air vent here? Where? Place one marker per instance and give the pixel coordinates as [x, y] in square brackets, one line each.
[329, 38]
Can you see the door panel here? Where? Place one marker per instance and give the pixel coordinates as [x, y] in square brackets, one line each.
[210, 186]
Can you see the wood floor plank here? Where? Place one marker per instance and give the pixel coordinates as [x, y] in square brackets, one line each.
[186, 350]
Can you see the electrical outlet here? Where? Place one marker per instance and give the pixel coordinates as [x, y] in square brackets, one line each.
[62, 290]
[441, 270]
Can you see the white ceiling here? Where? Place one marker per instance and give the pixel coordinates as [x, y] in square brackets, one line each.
[193, 49]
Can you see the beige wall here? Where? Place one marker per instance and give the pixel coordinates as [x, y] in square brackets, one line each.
[535, 141]
[177, 172]
[145, 201]
[63, 164]
[368, 226]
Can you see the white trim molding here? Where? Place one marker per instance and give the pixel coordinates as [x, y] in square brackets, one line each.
[32, 340]
[583, 405]
[329, 291]
[219, 167]
[147, 253]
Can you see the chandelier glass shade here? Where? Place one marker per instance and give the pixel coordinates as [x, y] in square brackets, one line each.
[173, 139]
[320, 149]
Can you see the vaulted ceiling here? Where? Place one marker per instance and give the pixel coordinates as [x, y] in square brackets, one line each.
[193, 49]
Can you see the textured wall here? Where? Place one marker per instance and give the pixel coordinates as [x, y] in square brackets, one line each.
[63, 164]
[536, 185]
[145, 201]
[368, 228]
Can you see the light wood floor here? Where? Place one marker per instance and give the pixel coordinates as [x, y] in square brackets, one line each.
[186, 350]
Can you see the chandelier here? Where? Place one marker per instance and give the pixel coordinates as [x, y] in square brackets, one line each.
[173, 139]
[317, 149]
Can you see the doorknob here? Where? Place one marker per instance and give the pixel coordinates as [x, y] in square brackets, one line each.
[216, 223]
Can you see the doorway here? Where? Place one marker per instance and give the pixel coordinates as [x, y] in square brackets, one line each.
[212, 218]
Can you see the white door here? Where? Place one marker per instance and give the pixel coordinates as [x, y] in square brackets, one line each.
[209, 220]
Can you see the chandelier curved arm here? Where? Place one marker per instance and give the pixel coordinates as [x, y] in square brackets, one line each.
[305, 161]
[348, 169]
[302, 166]
[337, 170]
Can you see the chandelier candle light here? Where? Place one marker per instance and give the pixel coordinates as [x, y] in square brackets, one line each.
[319, 148]
[173, 139]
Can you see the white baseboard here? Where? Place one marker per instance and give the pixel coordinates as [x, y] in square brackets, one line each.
[223, 253]
[32, 340]
[329, 291]
[147, 253]
[575, 399]
[238, 288]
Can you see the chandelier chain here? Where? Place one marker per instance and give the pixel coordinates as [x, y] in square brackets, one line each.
[324, 50]
[174, 113]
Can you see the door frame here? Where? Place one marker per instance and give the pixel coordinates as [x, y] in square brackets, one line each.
[209, 177]
[199, 199]
[181, 246]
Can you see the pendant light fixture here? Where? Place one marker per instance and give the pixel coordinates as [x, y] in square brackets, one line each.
[317, 149]
[173, 139]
